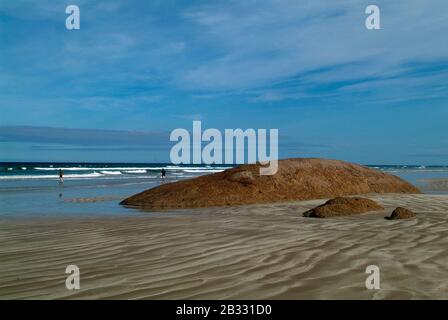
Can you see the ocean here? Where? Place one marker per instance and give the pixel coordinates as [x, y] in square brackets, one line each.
[33, 189]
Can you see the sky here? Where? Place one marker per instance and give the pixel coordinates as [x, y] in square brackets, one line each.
[136, 70]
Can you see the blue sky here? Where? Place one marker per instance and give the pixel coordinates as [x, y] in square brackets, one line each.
[113, 90]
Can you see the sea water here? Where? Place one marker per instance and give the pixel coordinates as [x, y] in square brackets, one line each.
[95, 189]
[33, 189]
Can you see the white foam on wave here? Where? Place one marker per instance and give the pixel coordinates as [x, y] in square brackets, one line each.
[111, 172]
[203, 170]
[208, 168]
[97, 168]
[52, 176]
[135, 171]
[106, 174]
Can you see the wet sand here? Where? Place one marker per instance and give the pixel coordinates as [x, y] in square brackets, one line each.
[248, 252]
[440, 184]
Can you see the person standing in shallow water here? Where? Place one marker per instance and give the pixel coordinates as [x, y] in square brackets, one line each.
[163, 175]
[61, 176]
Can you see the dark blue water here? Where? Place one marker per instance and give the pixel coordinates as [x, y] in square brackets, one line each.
[33, 189]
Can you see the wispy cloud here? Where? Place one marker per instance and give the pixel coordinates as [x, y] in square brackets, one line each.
[82, 137]
[224, 46]
[271, 41]
[300, 66]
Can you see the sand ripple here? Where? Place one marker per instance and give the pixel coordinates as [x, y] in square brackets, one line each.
[251, 252]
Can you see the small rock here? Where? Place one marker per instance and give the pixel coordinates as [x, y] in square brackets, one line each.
[343, 206]
[401, 213]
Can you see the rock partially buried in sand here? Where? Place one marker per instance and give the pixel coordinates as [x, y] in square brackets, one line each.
[343, 207]
[401, 213]
[296, 179]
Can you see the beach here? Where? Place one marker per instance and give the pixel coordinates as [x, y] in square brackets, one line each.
[260, 251]
[247, 150]
[247, 252]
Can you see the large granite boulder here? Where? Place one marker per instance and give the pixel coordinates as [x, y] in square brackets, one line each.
[296, 179]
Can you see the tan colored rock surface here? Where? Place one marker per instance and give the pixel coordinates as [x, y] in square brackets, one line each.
[343, 207]
[296, 179]
[401, 213]
[244, 177]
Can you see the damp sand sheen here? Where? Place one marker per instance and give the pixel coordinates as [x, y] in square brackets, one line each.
[266, 251]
